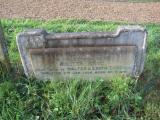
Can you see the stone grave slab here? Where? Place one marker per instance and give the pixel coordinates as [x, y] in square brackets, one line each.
[85, 55]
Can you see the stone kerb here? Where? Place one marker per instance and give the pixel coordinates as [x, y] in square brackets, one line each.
[86, 55]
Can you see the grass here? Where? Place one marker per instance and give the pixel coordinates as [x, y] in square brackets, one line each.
[118, 98]
[144, 0]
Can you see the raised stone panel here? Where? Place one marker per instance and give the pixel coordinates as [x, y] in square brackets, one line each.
[85, 55]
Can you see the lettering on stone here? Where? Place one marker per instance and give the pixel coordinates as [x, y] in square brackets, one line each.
[85, 55]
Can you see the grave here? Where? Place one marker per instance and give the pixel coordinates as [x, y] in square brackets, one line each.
[85, 55]
[4, 60]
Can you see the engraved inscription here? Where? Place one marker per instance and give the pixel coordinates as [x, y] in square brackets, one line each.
[83, 62]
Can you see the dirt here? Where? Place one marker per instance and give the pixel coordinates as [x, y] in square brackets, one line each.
[81, 9]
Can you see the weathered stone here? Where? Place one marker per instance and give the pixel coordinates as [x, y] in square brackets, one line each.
[86, 55]
[4, 60]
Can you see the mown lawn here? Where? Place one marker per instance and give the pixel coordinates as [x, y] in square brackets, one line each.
[119, 98]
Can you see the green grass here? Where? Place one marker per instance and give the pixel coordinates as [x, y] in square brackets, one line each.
[118, 98]
[144, 0]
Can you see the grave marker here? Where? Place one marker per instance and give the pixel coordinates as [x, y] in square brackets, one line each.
[4, 60]
[85, 55]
